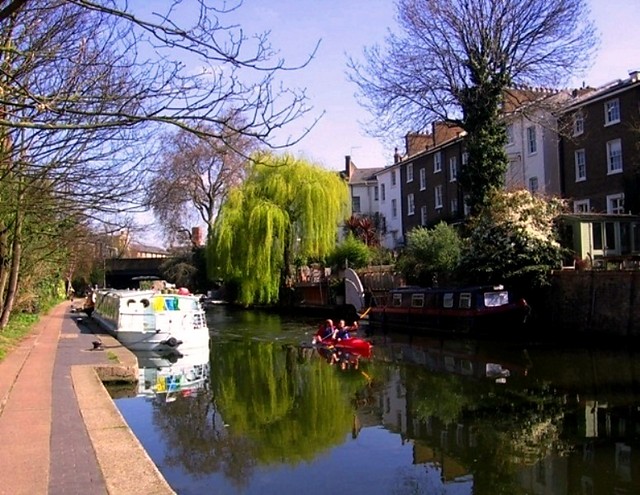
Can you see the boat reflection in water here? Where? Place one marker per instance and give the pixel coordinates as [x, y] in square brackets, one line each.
[165, 376]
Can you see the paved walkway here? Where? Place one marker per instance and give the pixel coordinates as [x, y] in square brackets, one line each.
[61, 433]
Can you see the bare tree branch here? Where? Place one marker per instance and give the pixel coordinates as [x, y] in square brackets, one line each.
[446, 47]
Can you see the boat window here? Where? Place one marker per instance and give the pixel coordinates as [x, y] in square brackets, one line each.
[465, 300]
[447, 300]
[397, 300]
[493, 299]
[466, 367]
[417, 300]
[449, 363]
[145, 302]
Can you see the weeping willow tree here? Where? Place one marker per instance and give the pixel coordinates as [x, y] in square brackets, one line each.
[286, 207]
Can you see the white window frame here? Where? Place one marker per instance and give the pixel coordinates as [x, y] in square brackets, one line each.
[611, 112]
[437, 192]
[465, 300]
[578, 123]
[383, 193]
[437, 162]
[393, 178]
[580, 160]
[409, 172]
[375, 193]
[417, 300]
[582, 206]
[532, 140]
[534, 185]
[423, 179]
[465, 158]
[411, 204]
[447, 300]
[423, 216]
[394, 208]
[615, 203]
[454, 205]
[453, 169]
[356, 207]
[614, 157]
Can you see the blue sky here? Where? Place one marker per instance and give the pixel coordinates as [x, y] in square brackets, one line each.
[346, 26]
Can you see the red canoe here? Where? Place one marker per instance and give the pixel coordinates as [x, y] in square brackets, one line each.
[354, 344]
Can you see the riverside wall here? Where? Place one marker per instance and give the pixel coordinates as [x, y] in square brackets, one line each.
[592, 302]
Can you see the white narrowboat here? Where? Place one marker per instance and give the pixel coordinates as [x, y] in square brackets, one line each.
[149, 320]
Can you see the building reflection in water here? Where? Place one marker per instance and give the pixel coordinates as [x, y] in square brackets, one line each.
[574, 428]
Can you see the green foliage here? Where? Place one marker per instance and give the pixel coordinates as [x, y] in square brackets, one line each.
[18, 327]
[362, 228]
[430, 254]
[291, 410]
[488, 161]
[286, 209]
[382, 256]
[513, 240]
[350, 253]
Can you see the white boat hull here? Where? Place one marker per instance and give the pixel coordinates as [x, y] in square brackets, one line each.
[151, 321]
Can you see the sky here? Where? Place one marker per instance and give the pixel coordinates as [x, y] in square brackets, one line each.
[345, 27]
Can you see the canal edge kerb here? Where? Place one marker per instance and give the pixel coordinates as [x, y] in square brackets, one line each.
[122, 459]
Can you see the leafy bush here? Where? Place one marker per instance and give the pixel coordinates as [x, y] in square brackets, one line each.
[382, 256]
[350, 252]
[430, 254]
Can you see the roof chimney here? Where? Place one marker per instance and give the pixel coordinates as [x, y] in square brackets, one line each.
[197, 237]
[396, 156]
[634, 75]
[347, 166]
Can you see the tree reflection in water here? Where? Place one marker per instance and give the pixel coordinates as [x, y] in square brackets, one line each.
[548, 417]
[268, 404]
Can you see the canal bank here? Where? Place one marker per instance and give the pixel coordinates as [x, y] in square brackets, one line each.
[62, 433]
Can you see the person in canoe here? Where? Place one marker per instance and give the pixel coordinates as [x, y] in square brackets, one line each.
[324, 333]
[342, 331]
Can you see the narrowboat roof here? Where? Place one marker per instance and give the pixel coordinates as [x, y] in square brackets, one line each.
[475, 288]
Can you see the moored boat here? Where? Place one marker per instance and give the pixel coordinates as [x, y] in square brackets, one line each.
[149, 320]
[466, 310]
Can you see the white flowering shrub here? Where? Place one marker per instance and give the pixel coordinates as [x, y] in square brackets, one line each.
[514, 239]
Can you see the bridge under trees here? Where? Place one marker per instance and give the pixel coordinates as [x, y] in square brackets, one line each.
[125, 273]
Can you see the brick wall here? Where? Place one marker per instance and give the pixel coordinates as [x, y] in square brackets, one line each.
[594, 303]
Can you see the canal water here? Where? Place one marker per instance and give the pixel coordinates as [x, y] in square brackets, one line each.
[262, 412]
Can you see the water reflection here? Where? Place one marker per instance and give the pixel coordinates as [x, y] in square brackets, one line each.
[418, 416]
[165, 376]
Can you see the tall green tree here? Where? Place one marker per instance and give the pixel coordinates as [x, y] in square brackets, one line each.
[287, 207]
[451, 61]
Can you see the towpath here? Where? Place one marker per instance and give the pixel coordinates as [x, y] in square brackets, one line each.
[61, 432]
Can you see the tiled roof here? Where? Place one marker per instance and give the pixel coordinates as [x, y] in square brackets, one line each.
[145, 248]
[361, 175]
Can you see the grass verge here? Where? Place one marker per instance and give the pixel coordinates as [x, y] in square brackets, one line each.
[19, 326]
